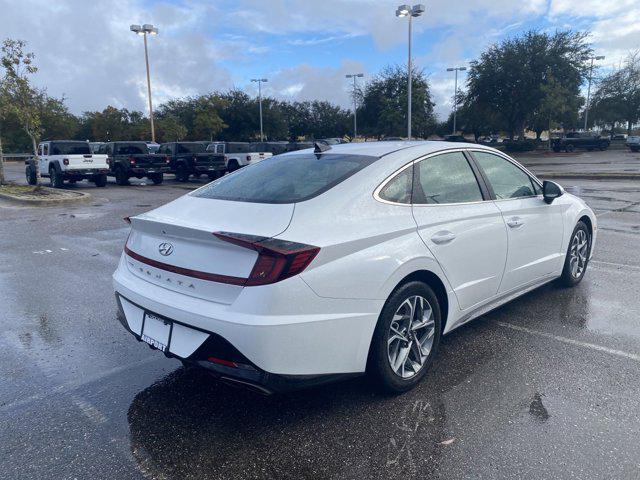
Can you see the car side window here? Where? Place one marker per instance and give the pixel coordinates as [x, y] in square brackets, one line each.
[506, 179]
[445, 178]
[45, 149]
[398, 189]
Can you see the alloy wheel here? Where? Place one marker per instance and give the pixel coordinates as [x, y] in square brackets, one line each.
[578, 253]
[410, 337]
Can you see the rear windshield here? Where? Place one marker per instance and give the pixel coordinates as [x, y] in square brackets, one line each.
[238, 148]
[286, 179]
[70, 148]
[190, 148]
[131, 148]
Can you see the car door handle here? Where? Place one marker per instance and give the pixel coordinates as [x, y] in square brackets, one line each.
[515, 222]
[444, 236]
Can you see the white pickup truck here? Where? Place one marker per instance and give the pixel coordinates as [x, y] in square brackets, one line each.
[70, 160]
[239, 154]
[633, 142]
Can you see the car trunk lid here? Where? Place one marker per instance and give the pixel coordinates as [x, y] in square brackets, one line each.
[174, 246]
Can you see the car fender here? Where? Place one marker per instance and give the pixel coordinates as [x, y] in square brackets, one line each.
[56, 165]
[576, 208]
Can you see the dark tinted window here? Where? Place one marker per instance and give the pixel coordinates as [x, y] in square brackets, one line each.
[237, 147]
[70, 148]
[398, 190]
[286, 179]
[507, 180]
[190, 148]
[445, 178]
[131, 148]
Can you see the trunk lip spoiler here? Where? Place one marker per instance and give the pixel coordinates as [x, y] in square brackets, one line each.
[187, 272]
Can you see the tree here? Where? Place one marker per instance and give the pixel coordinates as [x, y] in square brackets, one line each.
[169, 129]
[383, 110]
[207, 123]
[617, 98]
[23, 99]
[508, 78]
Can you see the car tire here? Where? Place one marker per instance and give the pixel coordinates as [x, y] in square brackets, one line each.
[55, 177]
[405, 374]
[182, 173]
[157, 178]
[602, 148]
[556, 149]
[577, 257]
[569, 148]
[232, 166]
[100, 180]
[121, 177]
[31, 175]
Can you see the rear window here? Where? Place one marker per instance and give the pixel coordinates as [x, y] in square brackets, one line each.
[190, 148]
[238, 148]
[70, 148]
[286, 179]
[131, 148]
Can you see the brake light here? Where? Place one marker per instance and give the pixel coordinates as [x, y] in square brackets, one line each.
[132, 160]
[65, 161]
[277, 259]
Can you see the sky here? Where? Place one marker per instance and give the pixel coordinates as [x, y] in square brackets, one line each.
[86, 53]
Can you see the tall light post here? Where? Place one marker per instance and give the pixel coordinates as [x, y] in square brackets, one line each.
[355, 104]
[586, 108]
[260, 81]
[410, 12]
[144, 30]
[455, 94]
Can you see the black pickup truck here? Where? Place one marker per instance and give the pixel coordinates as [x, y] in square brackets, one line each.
[573, 140]
[132, 159]
[191, 158]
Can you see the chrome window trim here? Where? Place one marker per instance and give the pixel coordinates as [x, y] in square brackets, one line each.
[376, 192]
[514, 162]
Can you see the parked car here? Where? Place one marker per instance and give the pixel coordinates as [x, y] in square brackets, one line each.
[619, 136]
[454, 138]
[153, 147]
[94, 146]
[69, 160]
[313, 266]
[191, 158]
[633, 142]
[573, 140]
[294, 146]
[132, 159]
[239, 154]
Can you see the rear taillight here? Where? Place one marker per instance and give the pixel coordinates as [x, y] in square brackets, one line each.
[132, 160]
[277, 259]
[65, 161]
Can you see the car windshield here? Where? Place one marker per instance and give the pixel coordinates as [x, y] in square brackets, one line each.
[286, 178]
[70, 148]
[190, 148]
[131, 149]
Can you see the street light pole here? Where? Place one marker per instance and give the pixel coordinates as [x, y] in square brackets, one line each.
[455, 94]
[259, 81]
[355, 104]
[407, 11]
[144, 30]
[586, 108]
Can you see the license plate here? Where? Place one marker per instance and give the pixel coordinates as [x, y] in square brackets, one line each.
[151, 171]
[156, 331]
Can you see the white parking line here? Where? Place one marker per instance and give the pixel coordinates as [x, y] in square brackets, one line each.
[570, 341]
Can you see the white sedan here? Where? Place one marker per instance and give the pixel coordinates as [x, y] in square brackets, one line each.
[321, 264]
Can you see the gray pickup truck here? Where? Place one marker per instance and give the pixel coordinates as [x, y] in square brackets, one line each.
[191, 158]
[132, 159]
[573, 140]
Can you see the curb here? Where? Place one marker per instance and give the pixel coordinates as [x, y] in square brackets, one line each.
[591, 176]
[79, 197]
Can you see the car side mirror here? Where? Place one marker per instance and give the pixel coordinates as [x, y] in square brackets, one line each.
[551, 191]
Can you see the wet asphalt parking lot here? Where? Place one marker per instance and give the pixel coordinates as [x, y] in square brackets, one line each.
[548, 386]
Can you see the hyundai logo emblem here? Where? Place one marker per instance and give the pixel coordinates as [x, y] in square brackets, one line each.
[165, 249]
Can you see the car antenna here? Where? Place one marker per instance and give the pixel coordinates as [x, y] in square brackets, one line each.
[320, 147]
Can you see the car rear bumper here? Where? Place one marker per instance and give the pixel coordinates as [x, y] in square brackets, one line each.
[302, 338]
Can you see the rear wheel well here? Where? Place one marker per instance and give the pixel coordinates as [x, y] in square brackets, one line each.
[436, 285]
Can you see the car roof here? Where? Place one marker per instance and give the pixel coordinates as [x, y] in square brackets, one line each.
[380, 149]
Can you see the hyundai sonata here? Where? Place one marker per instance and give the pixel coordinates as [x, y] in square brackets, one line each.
[345, 259]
